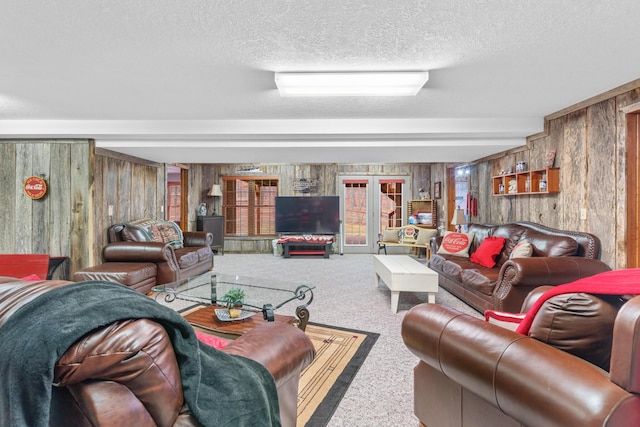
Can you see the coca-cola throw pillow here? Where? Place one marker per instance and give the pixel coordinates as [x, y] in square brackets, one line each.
[457, 244]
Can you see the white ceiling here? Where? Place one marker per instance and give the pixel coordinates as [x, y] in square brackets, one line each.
[195, 78]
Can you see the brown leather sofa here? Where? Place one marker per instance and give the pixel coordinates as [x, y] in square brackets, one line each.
[126, 373]
[558, 257]
[474, 373]
[142, 253]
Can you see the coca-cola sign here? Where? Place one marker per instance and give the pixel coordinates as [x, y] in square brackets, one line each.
[35, 187]
[455, 242]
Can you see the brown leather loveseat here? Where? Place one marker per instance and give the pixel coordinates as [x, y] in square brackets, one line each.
[474, 373]
[137, 371]
[146, 252]
[177, 256]
[557, 257]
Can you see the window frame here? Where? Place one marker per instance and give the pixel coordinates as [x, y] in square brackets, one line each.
[234, 225]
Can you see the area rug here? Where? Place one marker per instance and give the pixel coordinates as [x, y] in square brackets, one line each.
[339, 354]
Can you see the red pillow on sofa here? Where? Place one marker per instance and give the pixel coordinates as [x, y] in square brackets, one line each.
[487, 252]
[211, 340]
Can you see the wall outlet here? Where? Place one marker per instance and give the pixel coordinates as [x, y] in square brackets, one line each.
[110, 210]
[583, 213]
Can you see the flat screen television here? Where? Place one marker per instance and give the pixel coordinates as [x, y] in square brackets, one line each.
[308, 215]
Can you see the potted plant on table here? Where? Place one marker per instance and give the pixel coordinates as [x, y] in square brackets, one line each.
[234, 299]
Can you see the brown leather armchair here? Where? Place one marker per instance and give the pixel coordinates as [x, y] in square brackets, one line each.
[127, 372]
[474, 373]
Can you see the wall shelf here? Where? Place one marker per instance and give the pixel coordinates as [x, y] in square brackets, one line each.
[527, 182]
[427, 209]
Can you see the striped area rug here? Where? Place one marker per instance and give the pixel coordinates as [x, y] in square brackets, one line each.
[339, 354]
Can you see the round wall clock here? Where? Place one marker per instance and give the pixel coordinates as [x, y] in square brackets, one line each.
[35, 187]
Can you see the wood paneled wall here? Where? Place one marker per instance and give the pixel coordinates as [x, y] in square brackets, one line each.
[83, 182]
[590, 141]
[134, 188]
[202, 176]
[59, 224]
[72, 219]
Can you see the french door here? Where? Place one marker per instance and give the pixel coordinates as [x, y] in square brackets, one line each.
[369, 204]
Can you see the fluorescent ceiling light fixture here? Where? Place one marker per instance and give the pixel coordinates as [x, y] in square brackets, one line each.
[383, 83]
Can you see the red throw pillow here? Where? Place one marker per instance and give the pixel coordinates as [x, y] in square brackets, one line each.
[211, 340]
[31, 278]
[489, 249]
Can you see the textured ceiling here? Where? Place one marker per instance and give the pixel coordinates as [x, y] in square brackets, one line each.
[195, 78]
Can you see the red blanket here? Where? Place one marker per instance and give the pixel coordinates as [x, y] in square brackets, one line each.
[615, 282]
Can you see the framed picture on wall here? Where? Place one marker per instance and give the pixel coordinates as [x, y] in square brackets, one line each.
[551, 156]
[437, 190]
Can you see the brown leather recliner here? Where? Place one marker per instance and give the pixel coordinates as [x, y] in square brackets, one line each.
[126, 373]
[474, 373]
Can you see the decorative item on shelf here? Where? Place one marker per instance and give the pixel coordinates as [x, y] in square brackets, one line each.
[424, 218]
[35, 187]
[202, 209]
[234, 299]
[501, 188]
[458, 219]
[521, 167]
[424, 195]
[543, 185]
[215, 192]
[437, 190]
[527, 185]
[513, 186]
[551, 157]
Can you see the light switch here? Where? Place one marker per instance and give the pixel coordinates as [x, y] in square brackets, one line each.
[110, 210]
[583, 213]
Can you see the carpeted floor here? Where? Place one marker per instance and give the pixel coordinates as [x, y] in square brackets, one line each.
[346, 296]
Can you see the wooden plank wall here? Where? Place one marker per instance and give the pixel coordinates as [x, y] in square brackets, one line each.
[73, 218]
[590, 143]
[58, 224]
[135, 188]
[202, 176]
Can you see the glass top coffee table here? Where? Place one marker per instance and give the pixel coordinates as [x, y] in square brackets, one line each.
[261, 295]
